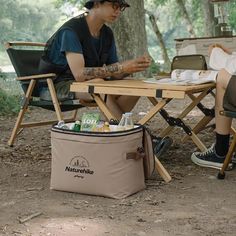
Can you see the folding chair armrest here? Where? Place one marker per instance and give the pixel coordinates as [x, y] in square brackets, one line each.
[37, 77]
[21, 43]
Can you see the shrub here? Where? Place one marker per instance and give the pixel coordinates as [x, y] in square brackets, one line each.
[9, 104]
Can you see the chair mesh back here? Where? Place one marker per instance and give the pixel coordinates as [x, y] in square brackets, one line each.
[189, 62]
[25, 62]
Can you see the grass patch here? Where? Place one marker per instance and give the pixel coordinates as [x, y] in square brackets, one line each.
[9, 104]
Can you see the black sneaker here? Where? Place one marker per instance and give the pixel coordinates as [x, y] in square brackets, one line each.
[161, 145]
[208, 158]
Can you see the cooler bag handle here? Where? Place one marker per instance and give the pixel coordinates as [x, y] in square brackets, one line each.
[140, 153]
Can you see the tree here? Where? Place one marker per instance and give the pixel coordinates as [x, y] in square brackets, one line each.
[208, 12]
[159, 36]
[232, 15]
[130, 31]
[186, 17]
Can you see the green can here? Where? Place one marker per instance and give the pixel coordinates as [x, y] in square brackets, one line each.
[77, 126]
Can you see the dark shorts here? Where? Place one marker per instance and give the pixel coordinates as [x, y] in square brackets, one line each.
[229, 101]
[62, 90]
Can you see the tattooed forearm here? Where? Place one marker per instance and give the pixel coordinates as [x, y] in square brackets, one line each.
[114, 68]
[102, 72]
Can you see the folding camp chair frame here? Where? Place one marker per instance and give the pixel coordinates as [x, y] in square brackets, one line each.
[19, 125]
[232, 148]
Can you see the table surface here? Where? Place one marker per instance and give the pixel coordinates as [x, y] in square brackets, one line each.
[138, 83]
[137, 87]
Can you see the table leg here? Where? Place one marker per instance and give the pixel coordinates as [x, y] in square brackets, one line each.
[186, 111]
[198, 142]
[199, 126]
[158, 106]
[162, 171]
[158, 165]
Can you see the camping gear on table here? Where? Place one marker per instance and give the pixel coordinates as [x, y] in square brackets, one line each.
[110, 164]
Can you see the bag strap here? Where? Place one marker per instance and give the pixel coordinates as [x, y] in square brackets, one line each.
[149, 158]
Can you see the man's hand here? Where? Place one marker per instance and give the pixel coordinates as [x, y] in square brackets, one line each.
[136, 65]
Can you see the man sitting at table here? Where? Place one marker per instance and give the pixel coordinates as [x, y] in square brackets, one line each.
[224, 60]
[84, 49]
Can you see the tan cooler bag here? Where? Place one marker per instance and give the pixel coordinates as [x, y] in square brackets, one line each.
[106, 164]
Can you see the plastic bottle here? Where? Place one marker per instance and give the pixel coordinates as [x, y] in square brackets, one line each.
[126, 122]
[129, 121]
[121, 125]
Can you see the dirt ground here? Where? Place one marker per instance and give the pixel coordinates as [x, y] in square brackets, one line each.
[194, 203]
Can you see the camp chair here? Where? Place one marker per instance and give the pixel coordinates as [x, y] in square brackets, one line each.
[196, 62]
[189, 62]
[25, 58]
[232, 148]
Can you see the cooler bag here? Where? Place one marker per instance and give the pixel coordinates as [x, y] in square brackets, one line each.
[98, 163]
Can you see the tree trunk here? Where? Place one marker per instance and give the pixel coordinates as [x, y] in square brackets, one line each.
[156, 30]
[208, 12]
[130, 32]
[187, 18]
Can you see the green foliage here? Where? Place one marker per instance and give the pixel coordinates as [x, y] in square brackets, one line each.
[26, 21]
[172, 25]
[232, 15]
[154, 68]
[80, 3]
[9, 104]
[159, 2]
[195, 10]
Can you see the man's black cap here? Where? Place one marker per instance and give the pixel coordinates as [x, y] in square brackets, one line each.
[89, 4]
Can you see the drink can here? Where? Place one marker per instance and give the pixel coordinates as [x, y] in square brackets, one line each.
[77, 126]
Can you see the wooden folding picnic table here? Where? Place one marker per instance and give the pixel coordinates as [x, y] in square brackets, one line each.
[159, 95]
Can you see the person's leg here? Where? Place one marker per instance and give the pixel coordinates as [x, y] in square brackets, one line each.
[62, 89]
[121, 104]
[127, 103]
[223, 123]
[113, 106]
[215, 155]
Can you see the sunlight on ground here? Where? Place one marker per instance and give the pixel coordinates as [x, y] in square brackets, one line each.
[68, 226]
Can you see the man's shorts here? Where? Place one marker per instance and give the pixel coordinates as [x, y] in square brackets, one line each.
[229, 101]
[62, 90]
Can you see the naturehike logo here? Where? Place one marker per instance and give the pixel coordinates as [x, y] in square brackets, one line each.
[79, 165]
[79, 161]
